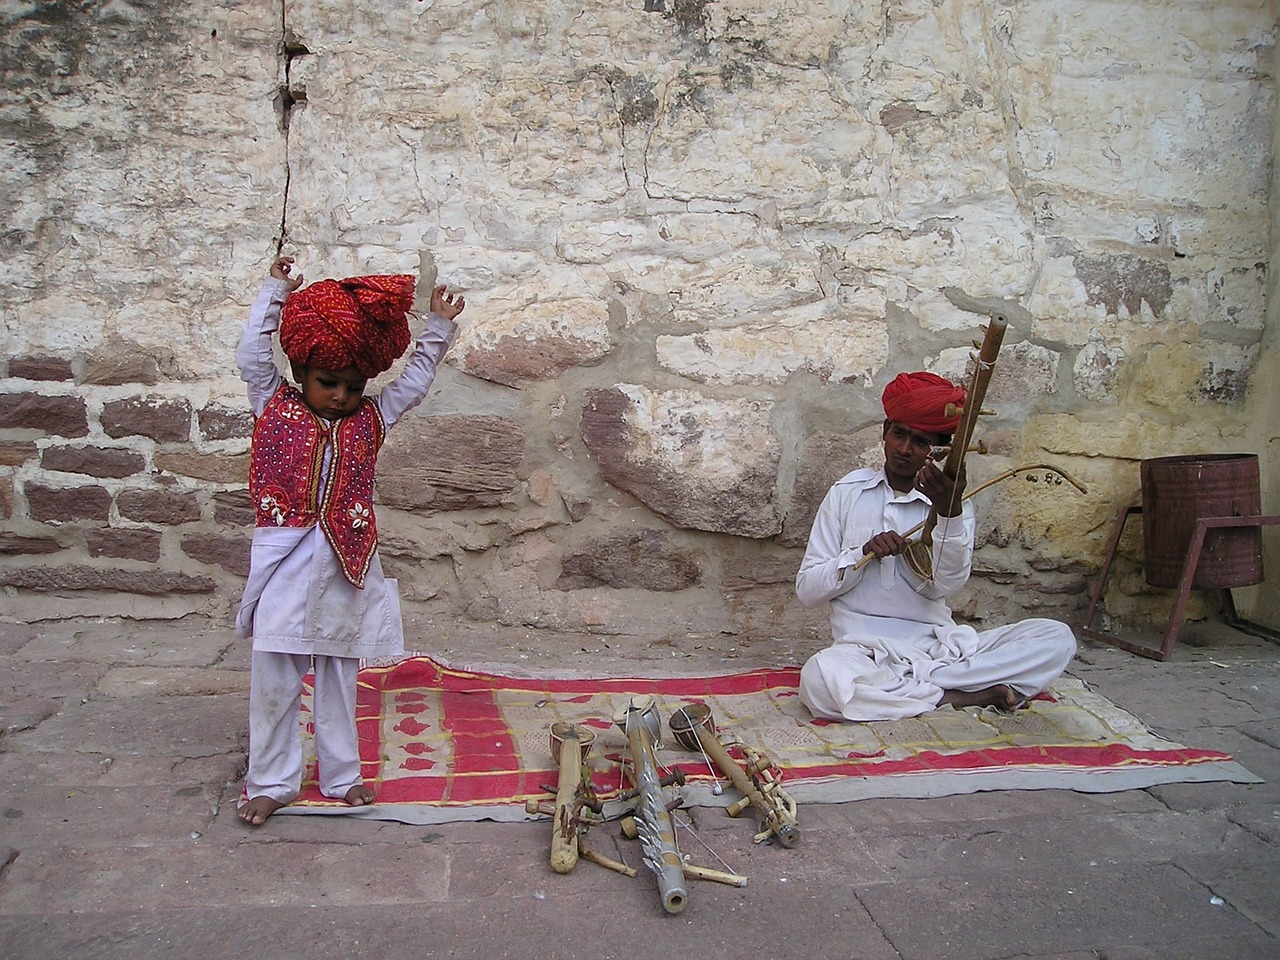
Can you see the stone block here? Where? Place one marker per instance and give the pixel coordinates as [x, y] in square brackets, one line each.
[761, 572]
[17, 452]
[160, 419]
[59, 416]
[40, 368]
[702, 463]
[1122, 283]
[77, 577]
[643, 560]
[450, 463]
[126, 544]
[158, 506]
[233, 508]
[214, 467]
[121, 364]
[823, 459]
[93, 461]
[12, 545]
[223, 423]
[536, 341]
[63, 504]
[229, 552]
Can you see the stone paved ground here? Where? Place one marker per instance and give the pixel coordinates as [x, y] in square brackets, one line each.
[122, 743]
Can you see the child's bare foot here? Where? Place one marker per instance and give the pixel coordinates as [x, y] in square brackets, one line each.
[1001, 696]
[359, 795]
[256, 810]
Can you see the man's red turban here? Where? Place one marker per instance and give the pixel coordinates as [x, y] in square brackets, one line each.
[919, 401]
[356, 322]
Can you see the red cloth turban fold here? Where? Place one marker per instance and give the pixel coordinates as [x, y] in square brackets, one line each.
[919, 401]
[359, 322]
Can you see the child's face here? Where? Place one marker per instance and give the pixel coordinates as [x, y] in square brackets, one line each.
[331, 394]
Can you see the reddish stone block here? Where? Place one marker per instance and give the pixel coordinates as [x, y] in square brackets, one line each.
[450, 463]
[17, 453]
[214, 467]
[76, 577]
[41, 368]
[63, 504]
[233, 508]
[643, 560]
[158, 506]
[162, 420]
[54, 416]
[119, 364]
[220, 423]
[124, 544]
[12, 545]
[229, 552]
[93, 461]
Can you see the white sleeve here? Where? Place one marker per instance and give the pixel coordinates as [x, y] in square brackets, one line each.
[408, 390]
[953, 551]
[255, 356]
[826, 570]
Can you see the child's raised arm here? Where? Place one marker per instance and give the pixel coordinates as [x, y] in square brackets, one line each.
[281, 270]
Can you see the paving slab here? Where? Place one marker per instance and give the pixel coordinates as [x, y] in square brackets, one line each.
[1245, 879]
[996, 910]
[31, 692]
[158, 726]
[189, 873]
[109, 816]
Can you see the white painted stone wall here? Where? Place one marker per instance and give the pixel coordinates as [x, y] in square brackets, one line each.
[696, 240]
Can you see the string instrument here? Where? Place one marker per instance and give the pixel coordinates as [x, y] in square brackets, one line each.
[760, 786]
[919, 554]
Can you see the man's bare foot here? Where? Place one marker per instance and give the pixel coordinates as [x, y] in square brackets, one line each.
[256, 810]
[1001, 696]
[359, 795]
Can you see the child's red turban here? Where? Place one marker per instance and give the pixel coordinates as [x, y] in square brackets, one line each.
[919, 401]
[356, 322]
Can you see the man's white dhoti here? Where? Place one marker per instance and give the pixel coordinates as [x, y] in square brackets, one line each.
[882, 679]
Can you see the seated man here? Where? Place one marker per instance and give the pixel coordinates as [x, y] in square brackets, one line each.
[897, 651]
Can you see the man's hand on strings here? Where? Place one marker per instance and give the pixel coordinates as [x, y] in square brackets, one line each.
[942, 491]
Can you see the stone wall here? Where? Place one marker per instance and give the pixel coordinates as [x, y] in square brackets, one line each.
[696, 240]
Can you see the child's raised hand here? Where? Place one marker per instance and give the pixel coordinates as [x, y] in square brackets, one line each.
[448, 305]
[281, 269]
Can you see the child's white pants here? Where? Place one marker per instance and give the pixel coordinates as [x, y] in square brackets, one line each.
[275, 744]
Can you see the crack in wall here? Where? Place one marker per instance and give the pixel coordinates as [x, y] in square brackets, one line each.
[290, 96]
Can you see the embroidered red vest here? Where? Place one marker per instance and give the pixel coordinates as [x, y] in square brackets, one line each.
[285, 461]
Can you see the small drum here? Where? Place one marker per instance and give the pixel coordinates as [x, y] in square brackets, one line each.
[561, 731]
[686, 721]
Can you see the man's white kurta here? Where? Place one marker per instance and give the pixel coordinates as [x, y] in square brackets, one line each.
[897, 648]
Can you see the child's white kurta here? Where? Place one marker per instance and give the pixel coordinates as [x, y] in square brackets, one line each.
[297, 604]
